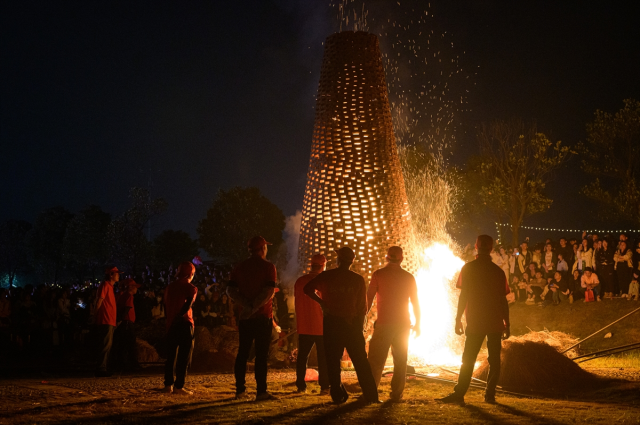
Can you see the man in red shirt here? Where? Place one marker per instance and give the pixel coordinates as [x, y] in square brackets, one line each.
[484, 303]
[124, 337]
[252, 286]
[393, 288]
[309, 327]
[178, 299]
[344, 306]
[105, 319]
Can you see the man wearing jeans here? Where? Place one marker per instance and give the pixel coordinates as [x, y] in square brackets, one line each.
[393, 287]
[309, 327]
[252, 286]
[344, 306]
[178, 298]
[106, 319]
[484, 303]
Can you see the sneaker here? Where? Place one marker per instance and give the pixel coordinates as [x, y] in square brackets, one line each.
[301, 391]
[452, 398]
[265, 396]
[168, 389]
[491, 399]
[243, 396]
[182, 391]
[324, 391]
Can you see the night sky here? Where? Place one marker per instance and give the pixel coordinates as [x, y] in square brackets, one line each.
[190, 97]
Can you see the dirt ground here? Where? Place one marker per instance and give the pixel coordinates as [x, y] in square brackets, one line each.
[135, 399]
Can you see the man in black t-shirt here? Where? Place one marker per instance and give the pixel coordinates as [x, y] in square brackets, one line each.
[484, 303]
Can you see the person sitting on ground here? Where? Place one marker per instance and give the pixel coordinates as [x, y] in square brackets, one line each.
[531, 296]
[511, 296]
[589, 281]
[547, 293]
[560, 289]
[575, 286]
[521, 289]
[157, 311]
[207, 315]
[634, 287]
[538, 286]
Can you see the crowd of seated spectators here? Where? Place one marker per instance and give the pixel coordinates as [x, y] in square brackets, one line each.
[592, 268]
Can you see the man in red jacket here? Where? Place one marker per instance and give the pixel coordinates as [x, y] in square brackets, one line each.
[484, 303]
[309, 327]
[393, 288]
[178, 299]
[105, 319]
[252, 286]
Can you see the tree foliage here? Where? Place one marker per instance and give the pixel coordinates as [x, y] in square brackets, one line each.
[235, 216]
[86, 248]
[174, 247]
[46, 240]
[612, 155]
[14, 254]
[128, 242]
[517, 162]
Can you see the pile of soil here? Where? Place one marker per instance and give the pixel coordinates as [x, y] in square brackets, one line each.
[533, 365]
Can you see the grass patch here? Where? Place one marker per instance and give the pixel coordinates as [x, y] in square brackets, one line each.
[622, 360]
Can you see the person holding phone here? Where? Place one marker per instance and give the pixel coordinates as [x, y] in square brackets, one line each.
[484, 304]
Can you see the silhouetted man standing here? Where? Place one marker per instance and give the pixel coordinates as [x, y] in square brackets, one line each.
[394, 288]
[252, 286]
[309, 327]
[484, 304]
[344, 306]
[178, 299]
[106, 319]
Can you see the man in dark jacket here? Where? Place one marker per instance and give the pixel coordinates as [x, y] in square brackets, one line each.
[484, 304]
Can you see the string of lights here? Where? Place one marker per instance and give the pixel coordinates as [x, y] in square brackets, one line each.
[550, 229]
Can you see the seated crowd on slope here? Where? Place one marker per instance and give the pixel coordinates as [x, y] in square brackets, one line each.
[590, 269]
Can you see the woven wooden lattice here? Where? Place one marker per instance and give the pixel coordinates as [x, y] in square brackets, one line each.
[355, 194]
